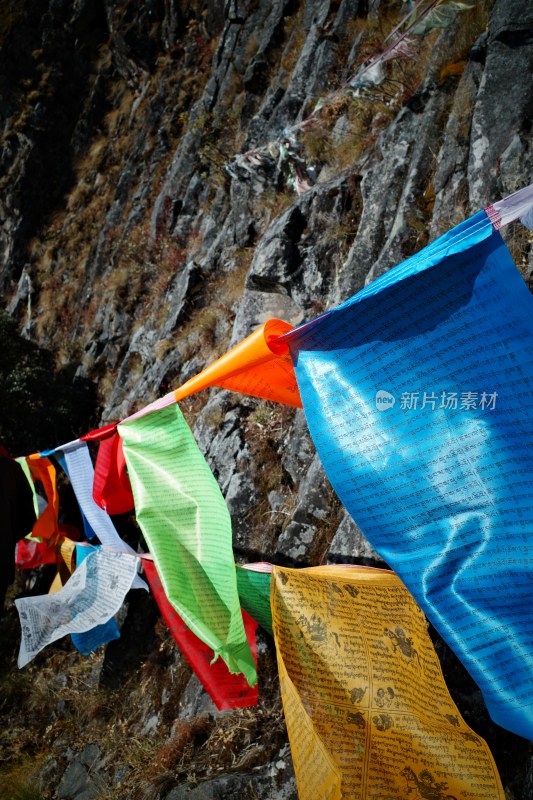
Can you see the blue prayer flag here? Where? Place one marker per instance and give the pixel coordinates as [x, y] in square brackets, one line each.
[418, 395]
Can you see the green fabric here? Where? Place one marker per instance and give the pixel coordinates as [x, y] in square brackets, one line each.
[187, 527]
[254, 594]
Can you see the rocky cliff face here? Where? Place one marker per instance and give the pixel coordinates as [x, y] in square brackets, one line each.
[137, 248]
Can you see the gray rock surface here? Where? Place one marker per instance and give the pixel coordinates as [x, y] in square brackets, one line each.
[350, 546]
[502, 117]
[277, 780]
[80, 780]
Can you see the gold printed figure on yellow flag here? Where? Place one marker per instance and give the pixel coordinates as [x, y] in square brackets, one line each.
[368, 713]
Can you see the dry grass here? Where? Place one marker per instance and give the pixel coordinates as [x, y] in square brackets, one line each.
[370, 113]
[207, 330]
[276, 202]
[16, 785]
[294, 38]
[191, 407]
[56, 703]
[265, 429]
[59, 251]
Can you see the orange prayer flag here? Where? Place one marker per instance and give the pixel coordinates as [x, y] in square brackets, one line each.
[43, 470]
[259, 366]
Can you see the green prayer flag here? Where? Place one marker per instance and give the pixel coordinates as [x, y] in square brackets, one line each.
[187, 527]
[254, 594]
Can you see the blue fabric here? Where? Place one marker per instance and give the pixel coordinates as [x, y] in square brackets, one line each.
[102, 634]
[418, 395]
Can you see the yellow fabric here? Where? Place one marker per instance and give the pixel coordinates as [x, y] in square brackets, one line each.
[368, 713]
[65, 565]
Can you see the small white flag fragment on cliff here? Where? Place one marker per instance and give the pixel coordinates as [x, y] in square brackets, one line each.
[518, 205]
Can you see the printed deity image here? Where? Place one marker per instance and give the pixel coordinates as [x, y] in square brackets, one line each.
[425, 786]
[368, 714]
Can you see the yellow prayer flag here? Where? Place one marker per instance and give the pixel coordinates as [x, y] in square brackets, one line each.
[65, 565]
[368, 713]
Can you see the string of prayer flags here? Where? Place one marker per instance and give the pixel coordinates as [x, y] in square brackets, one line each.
[111, 487]
[368, 713]
[43, 470]
[57, 548]
[253, 584]
[92, 595]
[98, 434]
[417, 393]
[31, 553]
[88, 641]
[224, 688]
[23, 463]
[81, 473]
[187, 527]
[156, 405]
[260, 366]
[71, 555]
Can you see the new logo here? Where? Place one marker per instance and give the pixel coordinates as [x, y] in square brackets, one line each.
[384, 400]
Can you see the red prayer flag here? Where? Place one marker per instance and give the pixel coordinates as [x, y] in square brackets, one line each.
[225, 689]
[111, 487]
[31, 554]
[99, 433]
